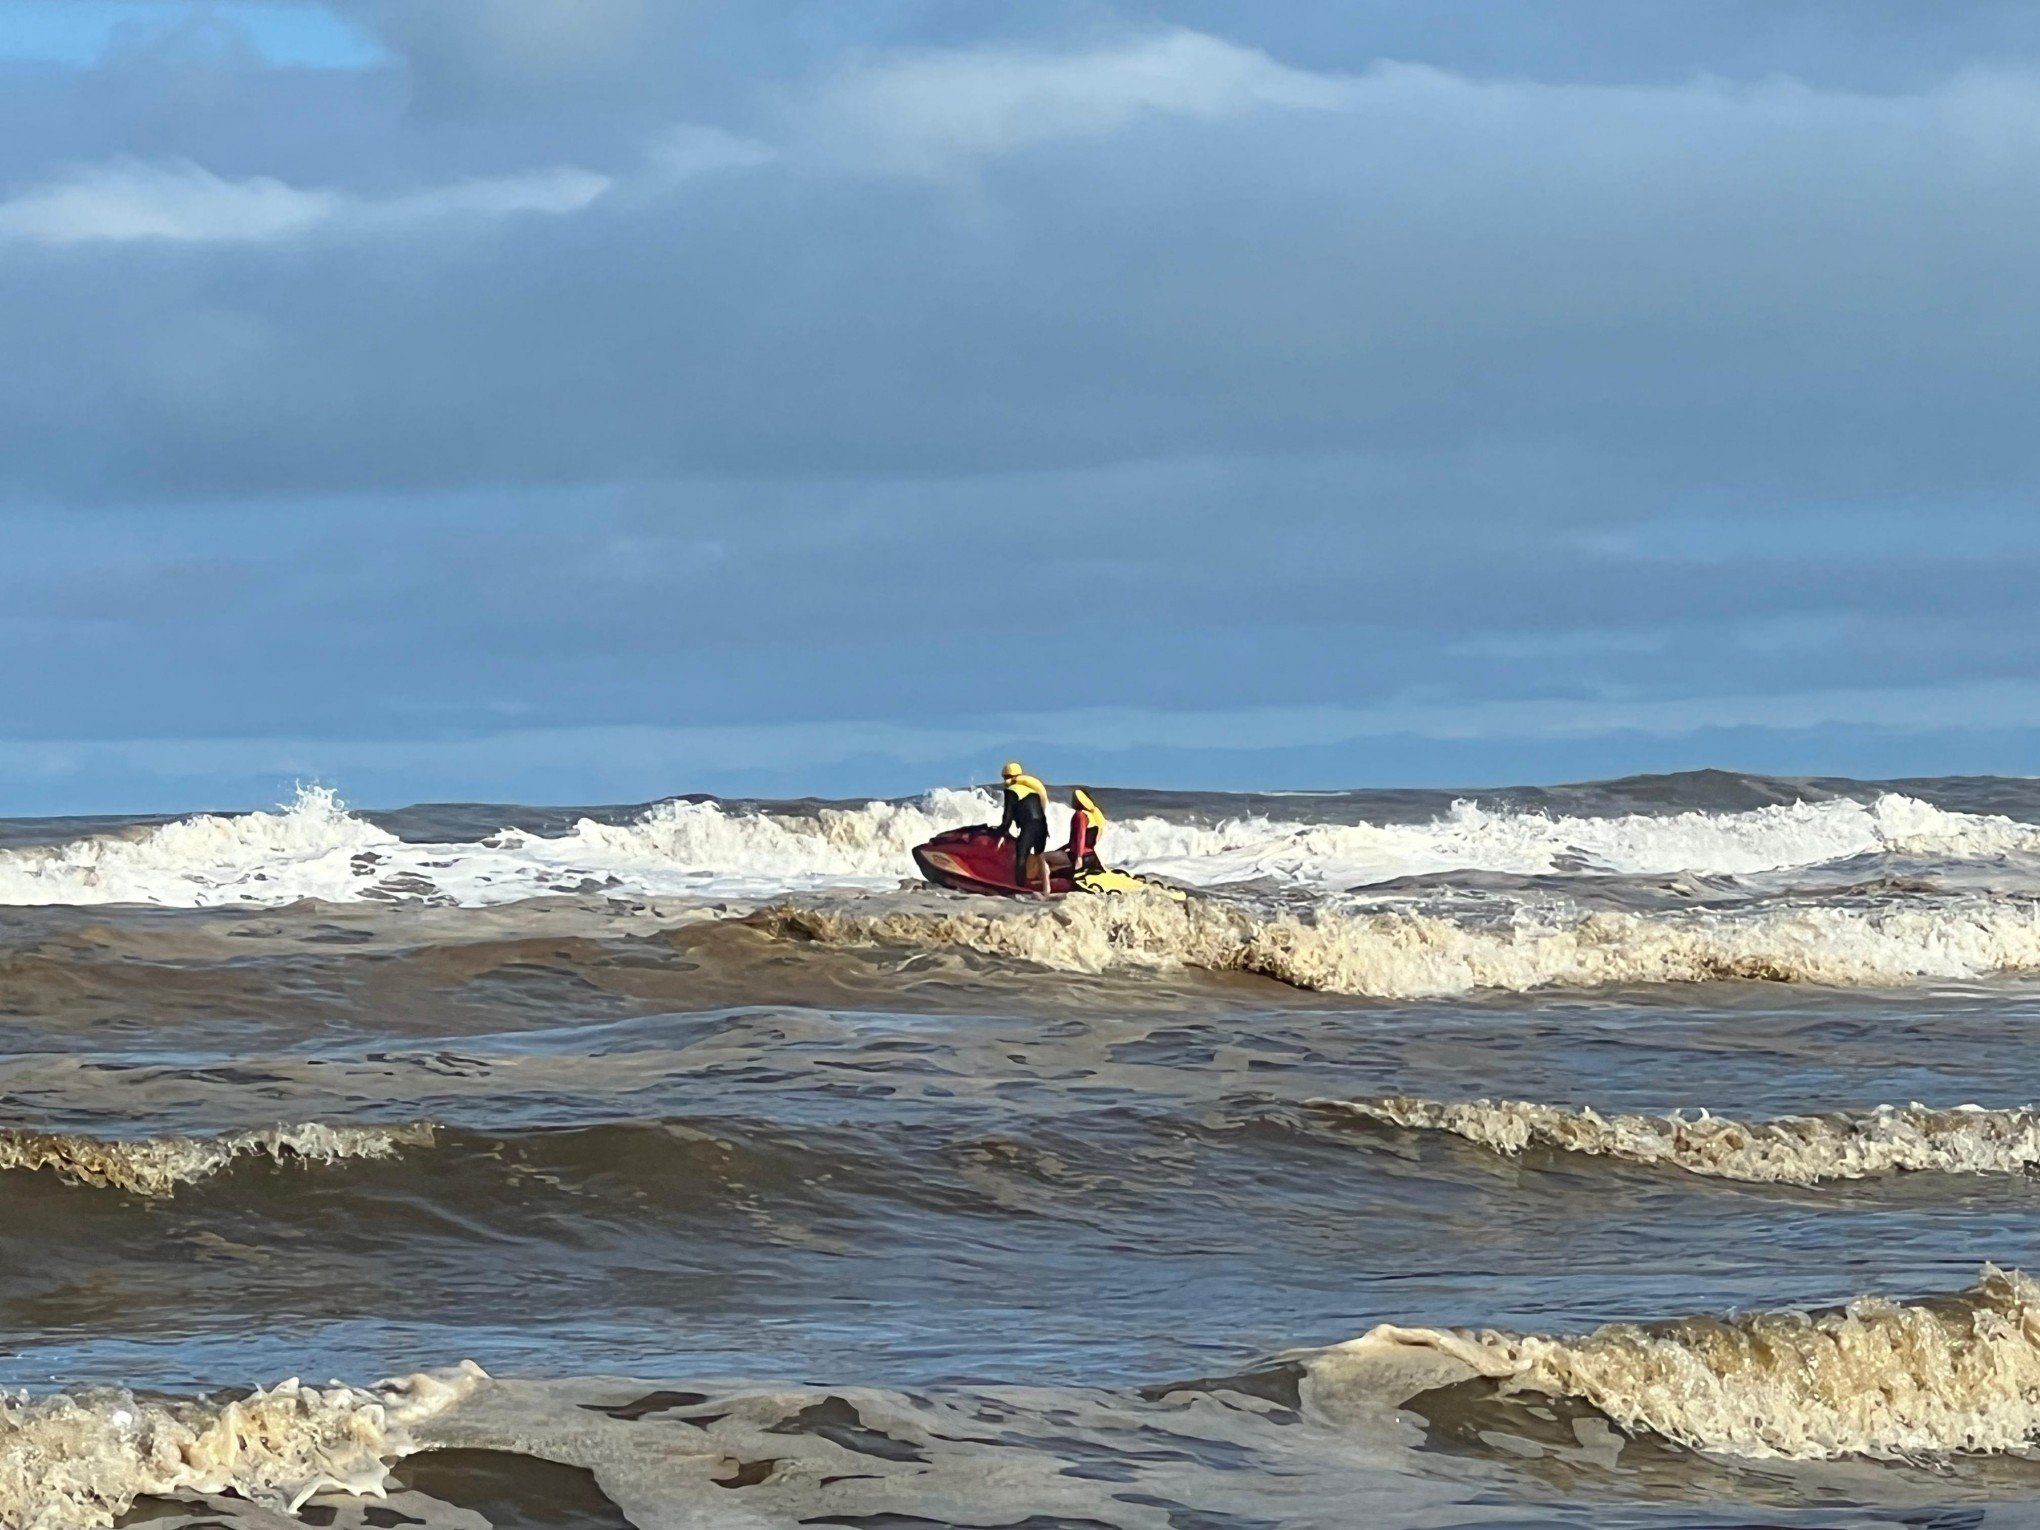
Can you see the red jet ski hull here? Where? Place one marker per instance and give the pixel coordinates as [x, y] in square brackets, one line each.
[978, 860]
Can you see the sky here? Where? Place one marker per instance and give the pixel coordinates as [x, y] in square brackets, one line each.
[590, 400]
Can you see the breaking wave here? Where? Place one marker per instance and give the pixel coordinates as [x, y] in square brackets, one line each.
[1790, 1150]
[1400, 954]
[79, 1462]
[315, 848]
[1875, 1378]
[157, 1166]
[305, 851]
[1470, 837]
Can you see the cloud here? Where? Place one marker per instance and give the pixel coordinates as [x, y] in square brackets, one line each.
[536, 40]
[572, 64]
[932, 112]
[184, 203]
[1244, 747]
[1169, 244]
[1239, 363]
[692, 149]
[179, 202]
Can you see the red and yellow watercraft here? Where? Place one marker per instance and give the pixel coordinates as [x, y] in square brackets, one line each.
[977, 859]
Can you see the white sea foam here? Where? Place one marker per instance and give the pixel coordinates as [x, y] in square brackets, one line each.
[156, 1166]
[1875, 1378]
[1795, 1150]
[1471, 837]
[78, 1462]
[304, 851]
[1400, 954]
[316, 849]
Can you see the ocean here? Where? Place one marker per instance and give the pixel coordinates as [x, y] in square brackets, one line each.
[1655, 1152]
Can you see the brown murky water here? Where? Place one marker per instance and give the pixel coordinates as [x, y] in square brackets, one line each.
[706, 1176]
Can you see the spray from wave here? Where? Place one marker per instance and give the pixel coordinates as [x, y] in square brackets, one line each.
[1471, 837]
[305, 851]
[874, 843]
[1400, 954]
[1875, 1378]
[157, 1166]
[1790, 1150]
[314, 848]
[79, 1462]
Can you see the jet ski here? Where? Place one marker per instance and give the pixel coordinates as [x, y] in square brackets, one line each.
[978, 859]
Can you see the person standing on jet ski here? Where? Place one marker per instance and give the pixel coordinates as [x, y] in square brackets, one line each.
[1025, 814]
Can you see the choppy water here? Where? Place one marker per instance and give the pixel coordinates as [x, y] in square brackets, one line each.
[1588, 1156]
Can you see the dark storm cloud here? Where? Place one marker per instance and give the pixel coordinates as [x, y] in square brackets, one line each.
[459, 615]
[990, 258]
[682, 364]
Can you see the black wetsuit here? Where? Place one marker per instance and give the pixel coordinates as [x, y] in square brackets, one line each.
[1028, 812]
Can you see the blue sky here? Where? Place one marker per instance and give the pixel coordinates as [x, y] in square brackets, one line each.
[577, 400]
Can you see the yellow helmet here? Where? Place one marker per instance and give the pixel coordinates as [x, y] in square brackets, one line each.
[1011, 769]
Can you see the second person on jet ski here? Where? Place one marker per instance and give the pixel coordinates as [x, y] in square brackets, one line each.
[1087, 822]
[1025, 814]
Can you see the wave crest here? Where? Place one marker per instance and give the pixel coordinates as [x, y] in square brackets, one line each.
[306, 850]
[79, 1462]
[873, 843]
[1399, 954]
[1790, 1150]
[1471, 837]
[157, 1166]
[1875, 1378]
[314, 848]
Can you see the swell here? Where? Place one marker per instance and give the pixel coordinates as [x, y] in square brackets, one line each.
[316, 849]
[1878, 1378]
[156, 1167]
[77, 1462]
[1403, 954]
[1790, 1150]
[679, 1165]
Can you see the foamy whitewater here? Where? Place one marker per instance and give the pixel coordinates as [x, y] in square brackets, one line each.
[701, 1166]
[316, 849]
[156, 1166]
[1876, 1378]
[77, 1463]
[1395, 954]
[1792, 1150]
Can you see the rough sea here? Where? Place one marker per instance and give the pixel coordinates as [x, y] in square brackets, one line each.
[1657, 1152]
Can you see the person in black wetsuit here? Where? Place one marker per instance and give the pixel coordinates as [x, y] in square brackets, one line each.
[1026, 816]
